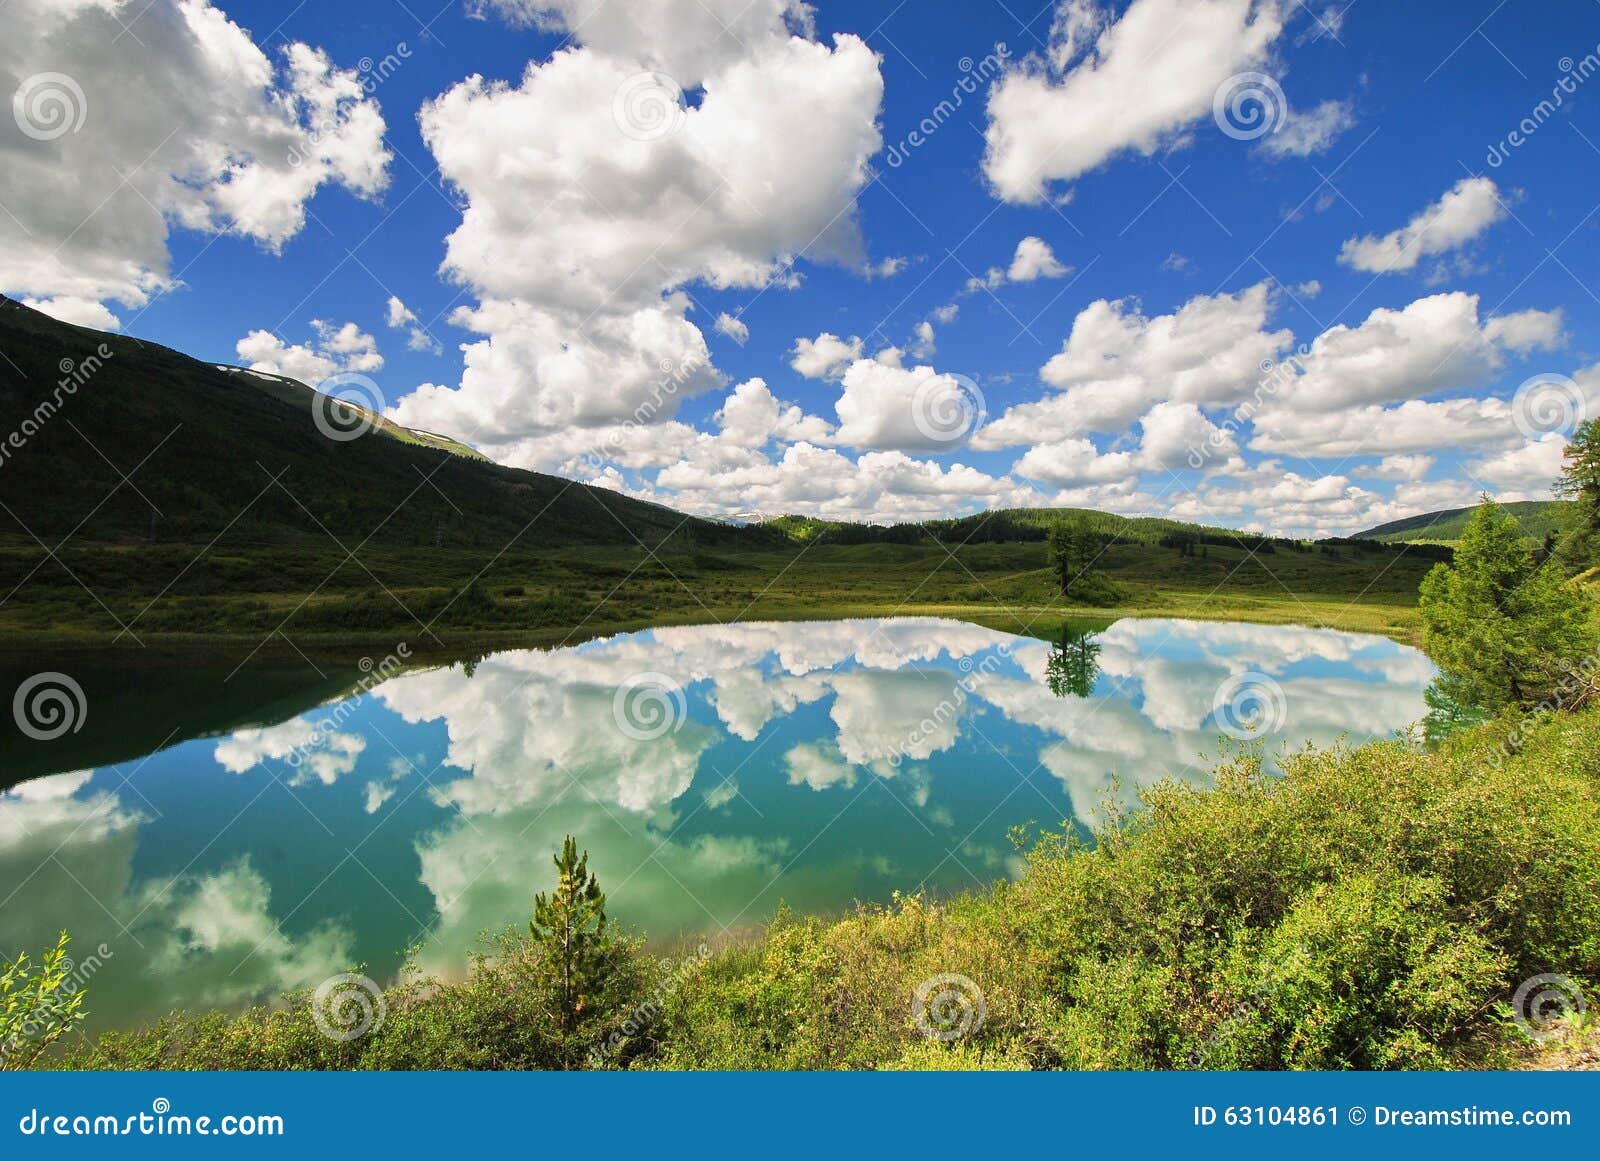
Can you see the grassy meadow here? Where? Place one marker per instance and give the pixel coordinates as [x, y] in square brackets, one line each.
[441, 600]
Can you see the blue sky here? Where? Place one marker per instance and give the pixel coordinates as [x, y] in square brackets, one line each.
[1385, 115]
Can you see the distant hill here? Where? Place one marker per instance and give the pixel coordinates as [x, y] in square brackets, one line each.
[1021, 525]
[1537, 517]
[149, 445]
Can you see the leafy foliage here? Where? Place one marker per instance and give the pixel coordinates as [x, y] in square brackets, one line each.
[39, 1004]
[1503, 629]
[1075, 553]
[1073, 664]
[1580, 482]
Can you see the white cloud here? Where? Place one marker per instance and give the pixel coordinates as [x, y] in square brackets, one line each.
[736, 329]
[1527, 330]
[1525, 472]
[1464, 212]
[1399, 467]
[1117, 363]
[565, 210]
[817, 481]
[752, 416]
[579, 225]
[1303, 134]
[89, 210]
[336, 350]
[400, 316]
[534, 372]
[886, 406]
[398, 313]
[1170, 433]
[1034, 259]
[83, 312]
[690, 42]
[1132, 85]
[826, 356]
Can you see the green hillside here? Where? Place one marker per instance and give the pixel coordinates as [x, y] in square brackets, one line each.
[170, 498]
[1538, 519]
[155, 447]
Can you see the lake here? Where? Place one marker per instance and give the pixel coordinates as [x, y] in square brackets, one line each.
[228, 836]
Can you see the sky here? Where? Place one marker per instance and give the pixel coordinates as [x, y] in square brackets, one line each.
[1297, 267]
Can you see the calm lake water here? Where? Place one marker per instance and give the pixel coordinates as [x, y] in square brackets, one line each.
[229, 838]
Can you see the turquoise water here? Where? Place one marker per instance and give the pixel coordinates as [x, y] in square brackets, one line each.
[710, 771]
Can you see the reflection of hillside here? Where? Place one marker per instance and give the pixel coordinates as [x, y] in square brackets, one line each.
[133, 712]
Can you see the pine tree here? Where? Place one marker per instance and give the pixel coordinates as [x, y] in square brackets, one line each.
[1073, 664]
[570, 923]
[1502, 629]
[1072, 551]
[1580, 481]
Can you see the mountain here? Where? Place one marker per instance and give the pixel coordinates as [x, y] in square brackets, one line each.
[110, 439]
[1537, 517]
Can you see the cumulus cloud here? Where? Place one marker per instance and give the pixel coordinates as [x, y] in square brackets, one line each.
[826, 356]
[1035, 259]
[89, 208]
[1312, 131]
[1118, 362]
[690, 42]
[336, 349]
[82, 312]
[1399, 467]
[886, 406]
[735, 329]
[1106, 87]
[583, 216]
[1170, 434]
[1465, 211]
[1525, 472]
[752, 417]
[1527, 330]
[401, 317]
[1333, 400]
